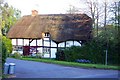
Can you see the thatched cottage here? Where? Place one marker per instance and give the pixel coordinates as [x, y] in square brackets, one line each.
[45, 33]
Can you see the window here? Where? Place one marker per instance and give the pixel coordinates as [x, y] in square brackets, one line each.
[46, 50]
[47, 35]
[17, 48]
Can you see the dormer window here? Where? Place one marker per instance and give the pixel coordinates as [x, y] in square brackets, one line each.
[47, 35]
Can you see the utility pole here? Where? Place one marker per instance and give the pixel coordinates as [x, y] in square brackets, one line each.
[105, 16]
[106, 51]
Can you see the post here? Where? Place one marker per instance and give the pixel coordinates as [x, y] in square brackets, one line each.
[106, 52]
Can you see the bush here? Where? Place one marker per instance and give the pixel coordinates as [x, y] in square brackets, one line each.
[8, 45]
[39, 55]
[60, 55]
[72, 53]
[93, 51]
[16, 55]
[3, 52]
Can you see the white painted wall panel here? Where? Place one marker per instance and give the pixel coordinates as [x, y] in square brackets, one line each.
[53, 52]
[61, 44]
[33, 43]
[20, 42]
[53, 44]
[69, 43]
[46, 43]
[39, 42]
[26, 42]
[77, 43]
[13, 41]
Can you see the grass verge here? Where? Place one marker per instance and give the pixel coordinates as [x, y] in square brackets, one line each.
[74, 64]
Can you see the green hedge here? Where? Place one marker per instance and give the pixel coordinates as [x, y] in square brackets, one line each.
[93, 51]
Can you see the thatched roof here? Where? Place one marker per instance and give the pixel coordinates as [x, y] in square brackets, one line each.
[62, 27]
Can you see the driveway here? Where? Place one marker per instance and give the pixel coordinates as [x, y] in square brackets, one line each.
[30, 69]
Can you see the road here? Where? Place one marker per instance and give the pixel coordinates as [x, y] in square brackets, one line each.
[30, 69]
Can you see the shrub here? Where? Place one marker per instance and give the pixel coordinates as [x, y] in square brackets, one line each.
[16, 55]
[3, 53]
[93, 51]
[39, 55]
[8, 45]
[60, 55]
[72, 53]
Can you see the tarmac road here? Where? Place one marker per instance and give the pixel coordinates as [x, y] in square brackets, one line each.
[30, 69]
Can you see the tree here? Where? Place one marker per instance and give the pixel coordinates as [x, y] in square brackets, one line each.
[106, 34]
[94, 9]
[115, 9]
[72, 10]
[9, 16]
[1, 2]
[116, 20]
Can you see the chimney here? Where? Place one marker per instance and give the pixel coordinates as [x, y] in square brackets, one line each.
[34, 12]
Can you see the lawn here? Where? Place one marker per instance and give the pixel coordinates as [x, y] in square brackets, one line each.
[73, 64]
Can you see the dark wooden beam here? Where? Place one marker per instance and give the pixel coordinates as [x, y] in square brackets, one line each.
[36, 46]
[65, 44]
[57, 47]
[42, 45]
[30, 40]
[73, 42]
[29, 47]
[50, 47]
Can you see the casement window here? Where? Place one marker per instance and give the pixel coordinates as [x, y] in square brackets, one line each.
[17, 48]
[46, 50]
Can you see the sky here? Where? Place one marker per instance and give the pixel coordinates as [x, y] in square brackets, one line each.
[48, 6]
[45, 6]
